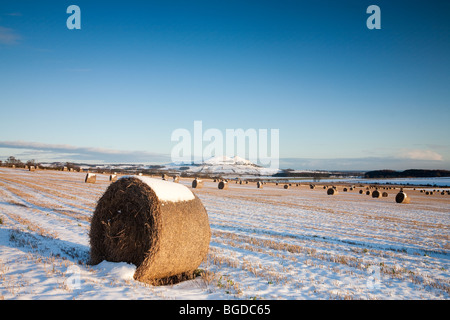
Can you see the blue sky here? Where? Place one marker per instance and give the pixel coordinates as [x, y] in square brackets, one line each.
[341, 95]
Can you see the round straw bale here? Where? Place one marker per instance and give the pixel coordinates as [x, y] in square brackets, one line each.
[113, 177]
[345, 190]
[197, 183]
[361, 191]
[368, 192]
[402, 197]
[332, 191]
[311, 186]
[286, 186]
[90, 178]
[384, 194]
[259, 185]
[159, 226]
[176, 179]
[223, 185]
[376, 194]
[32, 168]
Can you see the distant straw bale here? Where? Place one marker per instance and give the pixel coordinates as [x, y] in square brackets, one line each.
[376, 194]
[223, 185]
[402, 197]
[332, 191]
[90, 178]
[197, 183]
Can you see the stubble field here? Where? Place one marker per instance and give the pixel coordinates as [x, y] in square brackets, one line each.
[270, 243]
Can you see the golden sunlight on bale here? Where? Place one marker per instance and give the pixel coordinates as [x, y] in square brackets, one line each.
[90, 178]
[197, 183]
[402, 197]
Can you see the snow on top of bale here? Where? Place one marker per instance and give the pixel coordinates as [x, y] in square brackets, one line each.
[166, 190]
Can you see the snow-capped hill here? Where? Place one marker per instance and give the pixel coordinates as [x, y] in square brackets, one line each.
[225, 160]
[230, 166]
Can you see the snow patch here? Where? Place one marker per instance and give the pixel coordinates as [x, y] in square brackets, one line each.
[116, 270]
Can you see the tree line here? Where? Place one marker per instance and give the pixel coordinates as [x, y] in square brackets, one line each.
[410, 173]
[17, 163]
[12, 161]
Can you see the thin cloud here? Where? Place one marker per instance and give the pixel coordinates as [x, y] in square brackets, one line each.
[74, 153]
[421, 155]
[8, 36]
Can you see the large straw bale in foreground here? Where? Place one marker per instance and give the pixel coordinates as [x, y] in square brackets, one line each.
[159, 226]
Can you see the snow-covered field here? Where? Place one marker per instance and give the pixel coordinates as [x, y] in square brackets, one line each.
[268, 243]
